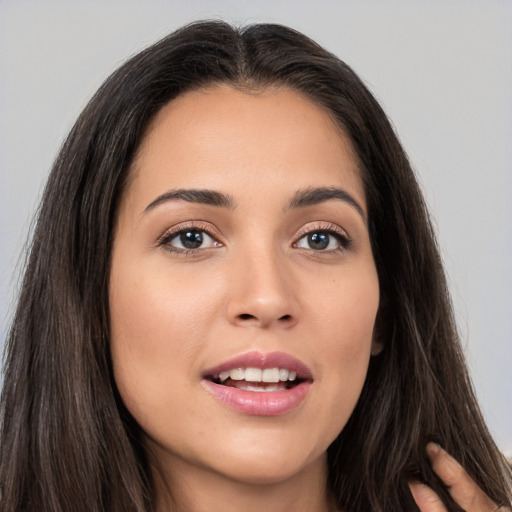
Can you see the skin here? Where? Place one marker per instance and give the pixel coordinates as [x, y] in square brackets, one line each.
[255, 283]
[462, 488]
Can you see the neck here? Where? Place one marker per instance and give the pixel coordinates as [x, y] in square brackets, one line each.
[180, 487]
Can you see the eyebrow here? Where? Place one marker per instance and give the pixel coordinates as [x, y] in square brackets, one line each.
[313, 196]
[201, 196]
[302, 198]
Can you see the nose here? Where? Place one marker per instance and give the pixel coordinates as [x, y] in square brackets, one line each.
[262, 293]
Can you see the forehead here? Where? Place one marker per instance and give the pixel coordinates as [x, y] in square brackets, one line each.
[223, 137]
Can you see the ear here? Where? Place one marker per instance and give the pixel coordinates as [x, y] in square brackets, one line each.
[381, 329]
[377, 346]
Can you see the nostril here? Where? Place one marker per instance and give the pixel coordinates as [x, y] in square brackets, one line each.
[246, 316]
[248, 319]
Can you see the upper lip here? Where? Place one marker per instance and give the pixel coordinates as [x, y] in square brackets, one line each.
[262, 360]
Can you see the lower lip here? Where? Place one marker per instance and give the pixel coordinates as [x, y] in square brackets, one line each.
[265, 403]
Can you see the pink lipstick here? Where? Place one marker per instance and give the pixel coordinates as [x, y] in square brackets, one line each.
[260, 384]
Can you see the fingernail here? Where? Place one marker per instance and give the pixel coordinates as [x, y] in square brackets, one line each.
[433, 449]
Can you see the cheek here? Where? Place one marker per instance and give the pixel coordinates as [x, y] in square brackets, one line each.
[346, 317]
[158, 325]
[347, 310]
[154, 308]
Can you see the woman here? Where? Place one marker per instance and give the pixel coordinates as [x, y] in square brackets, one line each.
[234, 300]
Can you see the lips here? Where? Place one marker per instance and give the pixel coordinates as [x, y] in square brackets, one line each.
[260, 384]
[262, 361]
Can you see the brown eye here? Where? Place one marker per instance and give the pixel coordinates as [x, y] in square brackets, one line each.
[189, 239]
[318, 241]
[322, 241]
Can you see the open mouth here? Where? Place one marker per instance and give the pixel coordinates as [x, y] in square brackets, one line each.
[257, 379]
[260, 384]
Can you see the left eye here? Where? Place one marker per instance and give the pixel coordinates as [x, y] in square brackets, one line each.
[190, 239]
[321, 241]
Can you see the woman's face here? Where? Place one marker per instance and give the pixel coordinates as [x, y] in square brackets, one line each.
[242, 256]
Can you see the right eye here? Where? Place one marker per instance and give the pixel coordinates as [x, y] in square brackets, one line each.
[323, 237]
[320, 241]
[189, 239]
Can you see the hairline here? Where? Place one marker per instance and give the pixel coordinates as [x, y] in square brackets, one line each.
[250, 87]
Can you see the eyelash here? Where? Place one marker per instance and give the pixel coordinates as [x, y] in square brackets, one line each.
[344, 241]
[201, 227]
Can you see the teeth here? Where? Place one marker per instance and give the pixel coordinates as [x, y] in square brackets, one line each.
[270, 375]
[257, 389]
[224, 375]
[258, 375]
[253, 374]
[274, 388]
[247, 386]
[237, 374]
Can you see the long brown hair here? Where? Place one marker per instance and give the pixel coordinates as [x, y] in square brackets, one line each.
[68, 443]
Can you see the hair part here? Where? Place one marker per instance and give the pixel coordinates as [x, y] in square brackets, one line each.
[68, 442]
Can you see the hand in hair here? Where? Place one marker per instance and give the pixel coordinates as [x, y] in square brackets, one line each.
[461, 487]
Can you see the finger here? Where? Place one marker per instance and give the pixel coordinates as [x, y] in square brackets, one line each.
[426, 499]
[461, 486]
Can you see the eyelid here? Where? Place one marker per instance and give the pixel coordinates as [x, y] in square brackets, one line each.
[325, 226]
[196, 225]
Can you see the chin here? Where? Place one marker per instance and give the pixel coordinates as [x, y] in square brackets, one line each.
[269, 472]
[267, 458]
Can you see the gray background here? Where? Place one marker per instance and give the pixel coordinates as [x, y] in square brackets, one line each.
[442, 70]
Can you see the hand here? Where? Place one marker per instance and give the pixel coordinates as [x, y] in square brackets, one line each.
[462, 488]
